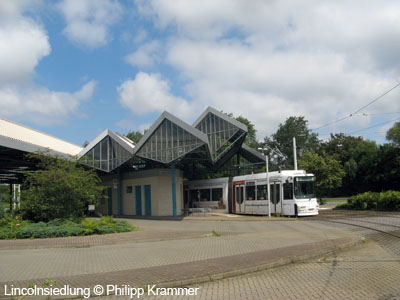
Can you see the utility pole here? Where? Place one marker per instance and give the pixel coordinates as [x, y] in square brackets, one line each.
[294, 153]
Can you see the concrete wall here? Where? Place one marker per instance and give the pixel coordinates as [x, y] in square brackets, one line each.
[160, 182]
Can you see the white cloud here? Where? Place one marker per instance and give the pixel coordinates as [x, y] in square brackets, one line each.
[23, 43]
[267, 60]
[88, 21]
[150, 93]
[146, 55]
[42, 105]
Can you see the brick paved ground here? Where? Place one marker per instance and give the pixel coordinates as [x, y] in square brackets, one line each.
[369, 271]
[180, 256]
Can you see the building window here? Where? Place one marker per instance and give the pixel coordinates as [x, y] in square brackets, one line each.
[129, 189]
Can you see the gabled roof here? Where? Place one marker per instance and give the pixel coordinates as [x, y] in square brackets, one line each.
[123, 141]
[170, 139]
[167, 116]
[222, 116]
[225, 134]
[23, 138]
[251, 155]
[107, 151]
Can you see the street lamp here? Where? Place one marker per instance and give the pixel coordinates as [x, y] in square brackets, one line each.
[268, 192]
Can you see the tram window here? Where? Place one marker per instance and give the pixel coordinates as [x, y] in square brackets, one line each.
[251, 192]
[288, 191]
[205, 195]
[194, 195]
[216, 194]
[304, 187]
[262, 192]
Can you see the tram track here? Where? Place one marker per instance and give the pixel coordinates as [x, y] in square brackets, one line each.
[366, 227]
[352, 219]
[385, 233]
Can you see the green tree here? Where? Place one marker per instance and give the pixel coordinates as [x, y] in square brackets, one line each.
[134, 136]
[251, 138]
[282, 139]
[359, 159]
[327, 170]
[61, 188]
[393, 134]
[388, 172]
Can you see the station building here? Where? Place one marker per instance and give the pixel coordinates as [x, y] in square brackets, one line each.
[143, 179]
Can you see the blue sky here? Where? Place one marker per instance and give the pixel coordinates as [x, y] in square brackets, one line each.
[74, 68]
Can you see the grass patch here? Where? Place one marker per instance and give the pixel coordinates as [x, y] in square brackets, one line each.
[341, 200]
[214, 233]
[12, 227]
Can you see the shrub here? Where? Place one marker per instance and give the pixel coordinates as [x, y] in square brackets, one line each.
[389, 200]
[1, 210]
[385, 201]
[15, 228]
[60, 189]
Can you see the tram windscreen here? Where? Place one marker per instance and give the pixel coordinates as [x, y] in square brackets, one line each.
[304, 187]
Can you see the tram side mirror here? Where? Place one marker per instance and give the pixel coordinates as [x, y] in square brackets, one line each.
[289, 180]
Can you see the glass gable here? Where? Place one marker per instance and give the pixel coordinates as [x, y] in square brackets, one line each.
[219, 133]
[106, 155]
[168, 143]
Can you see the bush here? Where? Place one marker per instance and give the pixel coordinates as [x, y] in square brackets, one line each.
[14, 228]
[389, 200]
[60, 189]
[385, 201]
[1, 210]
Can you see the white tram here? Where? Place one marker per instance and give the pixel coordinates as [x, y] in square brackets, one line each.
[292, 194]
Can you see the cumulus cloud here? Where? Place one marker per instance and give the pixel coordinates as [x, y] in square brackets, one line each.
[41, 105]
[150, 93]
[88, 21]
[268, 60]
[23, 43]
[146, 55]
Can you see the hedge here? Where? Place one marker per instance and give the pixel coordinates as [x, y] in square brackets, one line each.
[13, 228]
[384, 201]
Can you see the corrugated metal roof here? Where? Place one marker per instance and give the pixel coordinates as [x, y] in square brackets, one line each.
[37, 138]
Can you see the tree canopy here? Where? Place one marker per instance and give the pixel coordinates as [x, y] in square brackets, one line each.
[393, 134]
[326, 168]
[134, 136]
[61, 188]
[282, 139]
[251, 139]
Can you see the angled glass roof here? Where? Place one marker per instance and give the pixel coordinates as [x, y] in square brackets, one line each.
[107, 152]
[169, 139]
[223, 132]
